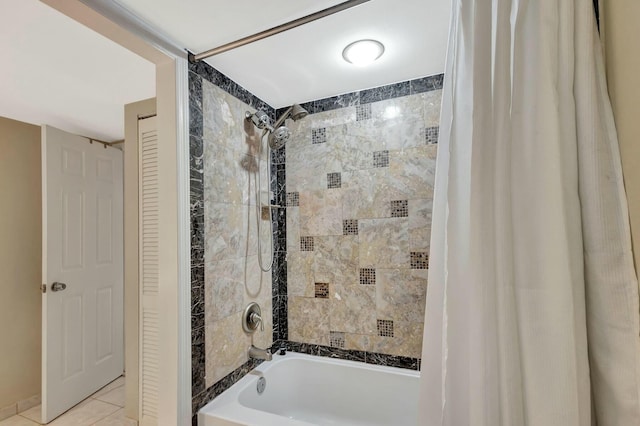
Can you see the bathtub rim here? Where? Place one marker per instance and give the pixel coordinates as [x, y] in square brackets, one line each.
[225, 405]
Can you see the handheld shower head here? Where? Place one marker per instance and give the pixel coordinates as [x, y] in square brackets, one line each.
[260, 119]
[279, 137]
[278, 133]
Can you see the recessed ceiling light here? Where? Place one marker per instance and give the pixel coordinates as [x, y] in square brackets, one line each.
[363, 52]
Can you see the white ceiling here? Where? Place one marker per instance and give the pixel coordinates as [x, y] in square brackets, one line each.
[56, 71]
[306, 63]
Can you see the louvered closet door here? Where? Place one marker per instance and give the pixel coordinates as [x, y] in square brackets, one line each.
[148, 199]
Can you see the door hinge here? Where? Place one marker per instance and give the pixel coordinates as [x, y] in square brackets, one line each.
[44, 288]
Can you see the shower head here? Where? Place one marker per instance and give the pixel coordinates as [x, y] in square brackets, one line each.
[297, 112]
[278, 133]
[260, 119]
[279, 137]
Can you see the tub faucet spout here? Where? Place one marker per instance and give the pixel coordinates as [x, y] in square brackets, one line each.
[258, 353]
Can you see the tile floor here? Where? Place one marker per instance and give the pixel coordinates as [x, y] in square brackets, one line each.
[103, 408]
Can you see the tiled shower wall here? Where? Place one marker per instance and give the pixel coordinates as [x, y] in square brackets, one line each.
[359, 184]
[224, 267]
[366, 189]
[233, 278]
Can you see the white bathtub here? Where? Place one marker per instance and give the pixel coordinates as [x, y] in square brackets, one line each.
[309, 390]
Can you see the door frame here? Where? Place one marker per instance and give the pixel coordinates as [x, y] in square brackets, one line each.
[172, 95]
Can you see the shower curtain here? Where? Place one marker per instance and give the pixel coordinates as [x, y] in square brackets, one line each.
[532, 308]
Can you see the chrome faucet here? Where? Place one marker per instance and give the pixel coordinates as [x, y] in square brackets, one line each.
[258, 353]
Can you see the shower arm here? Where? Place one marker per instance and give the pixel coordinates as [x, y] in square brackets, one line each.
[283, 117]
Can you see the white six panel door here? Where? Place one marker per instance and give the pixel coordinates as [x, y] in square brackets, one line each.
[82, 325]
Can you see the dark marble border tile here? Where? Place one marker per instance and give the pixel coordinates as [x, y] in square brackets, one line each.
[195, 105]
[353, 355]
[393, 361]
[390, 91]
[385, 92]
[426, 84]
[204, 397]
[214, 76]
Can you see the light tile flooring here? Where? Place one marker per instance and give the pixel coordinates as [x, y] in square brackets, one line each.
[103, 408]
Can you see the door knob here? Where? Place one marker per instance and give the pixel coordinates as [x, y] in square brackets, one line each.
[58, 286]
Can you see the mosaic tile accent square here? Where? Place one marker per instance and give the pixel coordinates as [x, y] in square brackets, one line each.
[350, 227]
[385, 328]
[400, 208]
[293, 199]
[318, 135]
[431, 135]
[381, 159]
[334, 180]
[367, 276]
[363, 112]
[419, 260]
[322, 290]
[306, 243]
[336, 339]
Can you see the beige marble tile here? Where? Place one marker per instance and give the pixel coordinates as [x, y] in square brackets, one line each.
[309, 320]
[420, 224]
[366, 194]
[17, 421]
[412, 173]
[353, 308]
[307, 167]
[34, 414]
[293, 229]
[226, 175]
[389, 134]
[432, 103]
[335, 259]
[85, 413]
[331, 118]
[117, 419]
[224, 288]
[300, 278]
[405, 108]
[401, 294]
[228, 123]
[115, 397]
[321, 212]
[407, 340]
[358, 342]
[226, 347]
[384, 243]
[226, 235]
[257, 284]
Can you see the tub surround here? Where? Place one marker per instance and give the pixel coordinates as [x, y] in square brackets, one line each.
[359, 182]
[225, 275]
[223, 247]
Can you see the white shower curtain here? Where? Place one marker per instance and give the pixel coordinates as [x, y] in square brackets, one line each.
[532, 307]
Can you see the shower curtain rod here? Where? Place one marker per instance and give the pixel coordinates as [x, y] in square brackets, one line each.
[275, 30]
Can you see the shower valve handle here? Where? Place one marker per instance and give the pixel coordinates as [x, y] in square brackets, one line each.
[255, 318]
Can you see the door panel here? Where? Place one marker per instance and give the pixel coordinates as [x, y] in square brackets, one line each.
[82, 247]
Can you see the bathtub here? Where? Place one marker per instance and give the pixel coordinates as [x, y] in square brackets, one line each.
[309, 390]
